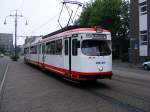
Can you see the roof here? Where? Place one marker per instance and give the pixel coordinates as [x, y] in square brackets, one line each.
[71, 29]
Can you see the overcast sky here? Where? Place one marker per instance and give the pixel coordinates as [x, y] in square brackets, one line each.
[42, 16]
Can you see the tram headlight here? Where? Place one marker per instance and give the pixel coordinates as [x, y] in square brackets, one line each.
[100, 68]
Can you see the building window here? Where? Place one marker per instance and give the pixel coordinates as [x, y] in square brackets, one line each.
[143, 38]
[143, 8]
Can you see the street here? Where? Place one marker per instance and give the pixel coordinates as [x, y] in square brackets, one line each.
[3, 64]
[29, 89]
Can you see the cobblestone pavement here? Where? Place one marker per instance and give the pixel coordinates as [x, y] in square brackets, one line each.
[29, 89]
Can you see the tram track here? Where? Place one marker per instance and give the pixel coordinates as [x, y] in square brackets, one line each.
[115, 101]
[122, 97]
[139, 82]
[111, 93]
[131, 94]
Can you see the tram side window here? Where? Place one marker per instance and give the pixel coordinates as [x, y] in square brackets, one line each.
[33, 50]
[39, 48]
[48, 48]
[66, 47]
[74, 47]
[26, 50]
[43, 48]
[52, 47]
[58, 47]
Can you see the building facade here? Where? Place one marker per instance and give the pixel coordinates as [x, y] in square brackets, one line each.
[140, 30]
[6, 43]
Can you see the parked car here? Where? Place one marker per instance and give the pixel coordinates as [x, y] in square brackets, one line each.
[146, 65]
[1, 55]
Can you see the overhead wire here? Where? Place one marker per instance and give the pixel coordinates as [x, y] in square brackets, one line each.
[46, 22]
[50, 19]
[42, 25]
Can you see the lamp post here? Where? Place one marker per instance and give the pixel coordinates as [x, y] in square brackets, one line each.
[15, 16]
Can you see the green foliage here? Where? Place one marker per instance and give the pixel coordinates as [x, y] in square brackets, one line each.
[14, 57]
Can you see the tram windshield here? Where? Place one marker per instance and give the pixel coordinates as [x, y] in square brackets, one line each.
[96, 48]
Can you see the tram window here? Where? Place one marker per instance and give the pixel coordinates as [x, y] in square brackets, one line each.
[48, 47]
[39, 48]
[28, 51]
[43, 48]
[66, 47]
[52, 47]
[33, 50]
[58, 47]
[74, 47]
[25, 50]
[95, 48]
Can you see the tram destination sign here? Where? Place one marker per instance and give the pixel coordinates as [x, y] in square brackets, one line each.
[97, 36]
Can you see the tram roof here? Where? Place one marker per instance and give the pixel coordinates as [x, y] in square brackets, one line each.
[71, 29]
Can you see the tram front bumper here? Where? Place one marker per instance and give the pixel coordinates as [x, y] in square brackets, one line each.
[98, 76]
[106, 75]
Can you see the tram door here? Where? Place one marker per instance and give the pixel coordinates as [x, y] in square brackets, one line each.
[43, 53]
[67, 54]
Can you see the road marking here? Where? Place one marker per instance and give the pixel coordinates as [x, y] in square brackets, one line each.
[2, 83]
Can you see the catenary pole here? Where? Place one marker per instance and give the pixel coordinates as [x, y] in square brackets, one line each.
[16, 16]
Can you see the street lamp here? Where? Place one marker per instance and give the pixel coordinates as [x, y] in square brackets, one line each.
[16, 15]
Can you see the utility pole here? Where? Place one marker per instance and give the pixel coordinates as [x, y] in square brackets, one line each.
[16, 32]
[15, 16]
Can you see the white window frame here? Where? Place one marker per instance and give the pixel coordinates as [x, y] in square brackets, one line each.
[143, 33]
[142, 5]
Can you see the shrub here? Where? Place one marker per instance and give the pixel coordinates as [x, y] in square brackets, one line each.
[14, 57]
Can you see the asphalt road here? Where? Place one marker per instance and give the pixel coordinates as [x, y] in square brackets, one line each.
[28, 89]
[3, 63]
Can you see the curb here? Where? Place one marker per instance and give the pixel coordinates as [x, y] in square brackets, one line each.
[2, 84]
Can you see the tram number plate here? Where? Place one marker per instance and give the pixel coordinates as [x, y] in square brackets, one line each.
[101, 62]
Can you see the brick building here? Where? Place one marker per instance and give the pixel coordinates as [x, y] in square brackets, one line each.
[140, 30]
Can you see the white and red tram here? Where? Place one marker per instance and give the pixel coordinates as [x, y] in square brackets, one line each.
[75, 53]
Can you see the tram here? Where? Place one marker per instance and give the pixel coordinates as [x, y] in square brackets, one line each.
[73, 52]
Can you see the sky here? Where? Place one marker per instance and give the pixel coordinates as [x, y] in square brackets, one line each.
[41, 15]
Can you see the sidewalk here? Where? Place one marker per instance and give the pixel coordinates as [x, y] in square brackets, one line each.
[26, 90]
[119, 63]
[129, 70]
